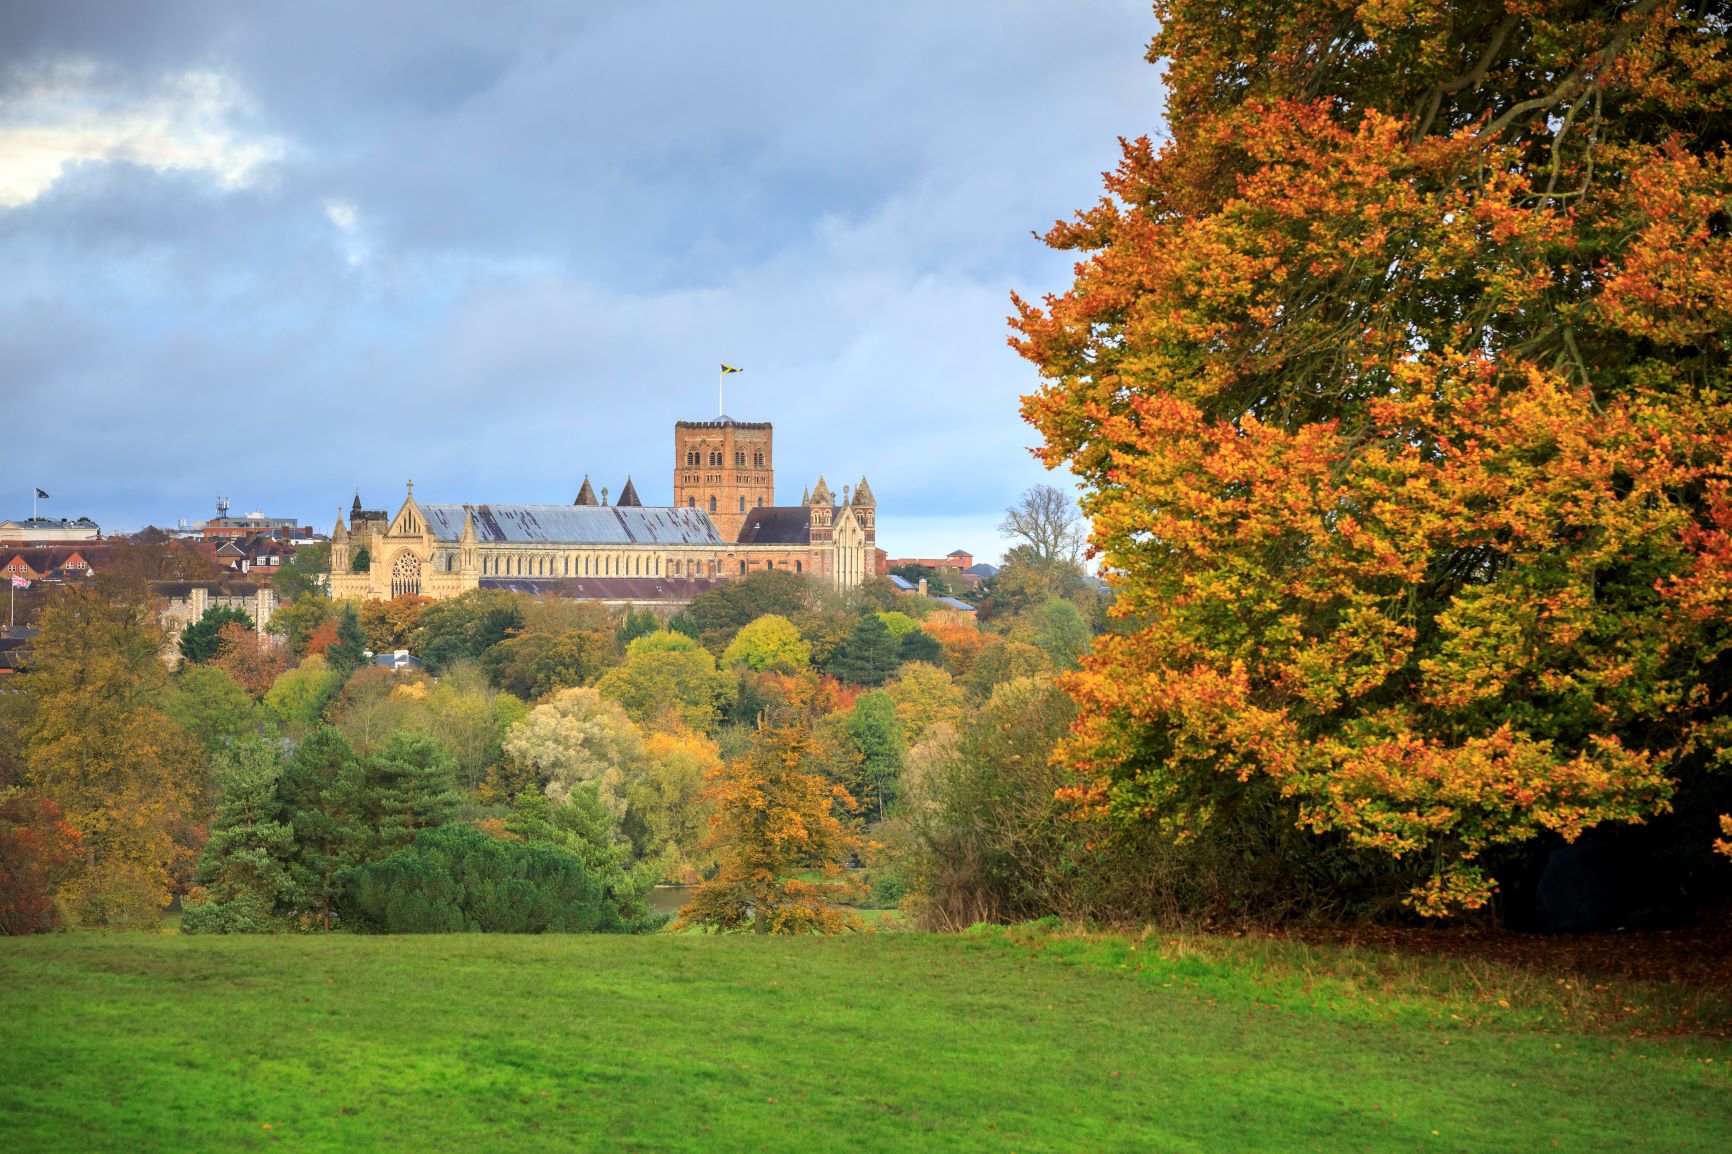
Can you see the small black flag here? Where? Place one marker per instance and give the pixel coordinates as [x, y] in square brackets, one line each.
[42, 495]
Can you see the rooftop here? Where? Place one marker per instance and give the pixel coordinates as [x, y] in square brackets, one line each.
[575, 524]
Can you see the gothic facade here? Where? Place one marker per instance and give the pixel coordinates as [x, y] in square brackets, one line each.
[724, 523]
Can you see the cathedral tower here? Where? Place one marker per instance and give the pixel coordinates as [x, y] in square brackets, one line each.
[724, 467]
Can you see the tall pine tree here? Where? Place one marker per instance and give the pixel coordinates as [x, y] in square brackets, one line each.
[321, 792]
[244, 873]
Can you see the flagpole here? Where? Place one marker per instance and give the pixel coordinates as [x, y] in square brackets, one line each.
[721, 379]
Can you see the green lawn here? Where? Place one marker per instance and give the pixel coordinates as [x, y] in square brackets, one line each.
[894, 1041]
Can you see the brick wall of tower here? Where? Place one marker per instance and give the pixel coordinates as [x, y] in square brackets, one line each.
[724, 467]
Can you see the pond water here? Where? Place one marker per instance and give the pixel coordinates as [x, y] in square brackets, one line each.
[669, 899]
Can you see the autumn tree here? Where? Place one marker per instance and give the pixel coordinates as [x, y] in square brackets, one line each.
[98, 745]
[298, 620]
[470, 719]
[389, 625]
[667, 681]
[534, 664]
[770, 642]
[37, 850]
[573, 737]
[774, 820]
[253, 662]
[1397, 382]
[924, 695]
[960, 644]
[667, 810]
[298, 697]
[376, 703]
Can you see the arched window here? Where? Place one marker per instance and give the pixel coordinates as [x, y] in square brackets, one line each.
[691, 502]
[712, 504]
[796, 566]
[405, 575]
[742, 504]
[757, 460]
[740, 459]
[760, 502]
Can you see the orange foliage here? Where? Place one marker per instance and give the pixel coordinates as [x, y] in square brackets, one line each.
[36, 847]
[1398, 382]
[322, 638]
[254, 662]
[773, 819]
[962, 644]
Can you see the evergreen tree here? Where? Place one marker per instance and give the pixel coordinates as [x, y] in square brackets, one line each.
[458, 879]
[877, 734]
[321, 792]
[919, 645]
[638, 623]
[203, 638]
[584, 828]
[244, 872]
[349, 652]
[410, 784]
[869, 656]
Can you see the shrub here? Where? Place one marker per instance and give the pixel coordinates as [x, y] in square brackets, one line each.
[456, 879]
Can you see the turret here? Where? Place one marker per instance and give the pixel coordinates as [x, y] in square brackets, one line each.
[628, 495]
[821, 513]
[866, 510]
[468, 555]
[585, 495]
[340, 543]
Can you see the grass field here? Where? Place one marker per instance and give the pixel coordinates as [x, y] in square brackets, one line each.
[896, 1041]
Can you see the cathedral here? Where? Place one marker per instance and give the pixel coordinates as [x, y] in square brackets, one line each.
[723, 524]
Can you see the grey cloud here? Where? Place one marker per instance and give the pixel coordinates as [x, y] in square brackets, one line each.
[566, 217]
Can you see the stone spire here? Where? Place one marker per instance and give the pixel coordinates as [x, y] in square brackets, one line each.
[468, 537]
[356, 507]
[586, 495]
[821, 495]
[628, 495]
[340, 533]
[805, 495]
[863, 495]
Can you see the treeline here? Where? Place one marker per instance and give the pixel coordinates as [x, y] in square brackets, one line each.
[553, 762]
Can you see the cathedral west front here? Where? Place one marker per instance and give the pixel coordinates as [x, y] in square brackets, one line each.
[723, 524]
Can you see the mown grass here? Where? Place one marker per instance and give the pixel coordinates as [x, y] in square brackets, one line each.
[1018, 1041]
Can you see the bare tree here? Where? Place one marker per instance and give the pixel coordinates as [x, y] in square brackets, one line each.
[1047, 521]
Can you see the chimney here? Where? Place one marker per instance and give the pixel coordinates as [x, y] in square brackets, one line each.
[923, 586]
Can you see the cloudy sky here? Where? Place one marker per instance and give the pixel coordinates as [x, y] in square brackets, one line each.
[273, 252]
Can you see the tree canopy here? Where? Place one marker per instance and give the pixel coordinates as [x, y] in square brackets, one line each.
[1397, 382]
